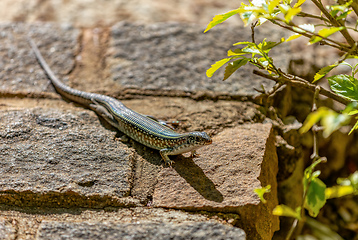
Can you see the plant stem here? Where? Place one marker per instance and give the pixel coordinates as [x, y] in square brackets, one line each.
[354, 5]
[334, 22]
[292, 229]
[303, 14]
[315, 157]
[253, 25]
[307, 34]
[302, 83]
[314, 128]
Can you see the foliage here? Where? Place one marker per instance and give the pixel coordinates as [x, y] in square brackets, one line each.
[330, 120]
[346, 186]
[314, 194]
[334, 20]
[261, 191]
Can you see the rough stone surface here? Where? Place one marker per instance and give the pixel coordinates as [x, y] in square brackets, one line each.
[26, 221]
[173, 56]
[7, 231]
[224, 176]
[91, 14]
[53, 158]
[19, 68]
[160, 231]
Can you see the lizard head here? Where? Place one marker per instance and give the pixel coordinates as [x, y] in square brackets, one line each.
[198, 139]
[191, 142]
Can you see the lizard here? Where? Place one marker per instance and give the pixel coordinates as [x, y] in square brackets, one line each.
[141, 128]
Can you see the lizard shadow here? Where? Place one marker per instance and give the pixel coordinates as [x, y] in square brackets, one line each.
[186, 168]
[195, 176]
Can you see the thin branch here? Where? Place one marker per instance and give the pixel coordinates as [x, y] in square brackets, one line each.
[302, 83]
[307, 34]
[292, 229]
[315, 153]
[353, 29]
[335, 23]
[346, 55]
[305, 15]
[253, 25]
[275, 89]
[354, 5]
[344, 48]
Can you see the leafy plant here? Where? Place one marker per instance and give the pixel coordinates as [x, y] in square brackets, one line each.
[333, 19]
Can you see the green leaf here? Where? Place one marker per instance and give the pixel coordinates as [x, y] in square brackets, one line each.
[352, 56]
[338, 191]
[344, 15]
[244, 43]
[342, 7]
[314, 189]
[233, 66]
[351, 108]
[329, 31]
[251, 49]
[272, 5]
[338, 8]
[332, 122]
[248, 17]
[249, 13]
[286, 211]
[313, 118]
[351, 180]
[299, 3]
[354, 179]
[323, 33]
[355, 127]
[314, 39]
[345, 86]
[261, 191]
[352, 112]
[315, 198]
[293, 37]
[323, 72]
[236, 52]
[291, 13]
[284, 8]
[221, 18]
[267, 46]
[347, 186]
[316, 174]
[308, 173]
[216, 66]
[334, 13]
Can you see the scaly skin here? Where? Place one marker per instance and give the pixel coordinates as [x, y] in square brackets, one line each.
[143, 129]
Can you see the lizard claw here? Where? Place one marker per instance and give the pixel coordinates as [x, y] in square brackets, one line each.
[169, 163]
[194, 154]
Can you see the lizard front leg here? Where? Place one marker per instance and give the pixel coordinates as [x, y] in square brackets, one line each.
[164, 153]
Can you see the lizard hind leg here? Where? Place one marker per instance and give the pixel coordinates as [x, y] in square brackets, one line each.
[103, 112]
